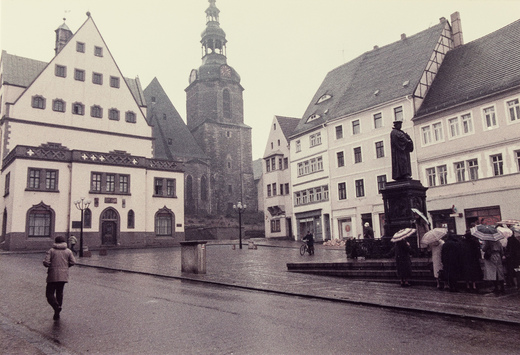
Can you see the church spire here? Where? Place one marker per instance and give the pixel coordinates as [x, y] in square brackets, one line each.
[213, 37]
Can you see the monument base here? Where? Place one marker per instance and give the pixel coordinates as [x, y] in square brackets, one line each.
[400, 199]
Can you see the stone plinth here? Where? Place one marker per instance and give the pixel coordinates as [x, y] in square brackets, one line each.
[193, 257]
[399, 198]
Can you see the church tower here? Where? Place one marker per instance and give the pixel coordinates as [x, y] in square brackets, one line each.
[215, 117]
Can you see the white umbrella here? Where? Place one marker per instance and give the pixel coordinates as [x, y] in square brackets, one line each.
[434, 235]
[402, 234]
[507, 233]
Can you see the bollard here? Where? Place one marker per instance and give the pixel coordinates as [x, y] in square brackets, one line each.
[233, 248]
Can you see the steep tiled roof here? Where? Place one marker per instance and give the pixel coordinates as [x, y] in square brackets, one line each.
[172, 127]
[287, 124]
[352, 86]
[137, 90]
[20, 71]
[487, 65]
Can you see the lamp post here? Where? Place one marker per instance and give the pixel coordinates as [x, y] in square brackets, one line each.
[240, 209]
[81, 205]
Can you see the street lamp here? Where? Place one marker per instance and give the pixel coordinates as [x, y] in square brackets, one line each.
[240, 209]
[81, 205]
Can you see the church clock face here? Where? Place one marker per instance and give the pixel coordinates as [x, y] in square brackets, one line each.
[225, 71]
[193, 76]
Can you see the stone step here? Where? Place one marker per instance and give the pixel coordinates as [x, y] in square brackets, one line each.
[356, 265]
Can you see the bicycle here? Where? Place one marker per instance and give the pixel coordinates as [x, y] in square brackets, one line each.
[305, 249]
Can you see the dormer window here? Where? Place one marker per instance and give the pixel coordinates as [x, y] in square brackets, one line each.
[324, 98]
[313, 117]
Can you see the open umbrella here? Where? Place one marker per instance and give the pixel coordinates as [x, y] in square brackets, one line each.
[402, 234]
[506, 232]
[486, 232]
[434, 235]
[509, 222]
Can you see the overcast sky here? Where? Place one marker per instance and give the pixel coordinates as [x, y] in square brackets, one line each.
[282, 49]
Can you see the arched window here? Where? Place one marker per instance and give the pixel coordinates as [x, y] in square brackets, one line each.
[226, 103]
[131, 219]
[203, 188]
[40, 220]
[189, 188]
[164, 221]
[87, 218]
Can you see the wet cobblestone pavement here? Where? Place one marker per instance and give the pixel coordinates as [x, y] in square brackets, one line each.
[265, 269]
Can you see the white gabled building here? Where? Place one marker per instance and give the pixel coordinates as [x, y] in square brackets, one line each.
[277, 199]
[340, 151]
[75, 127]
[468, 133]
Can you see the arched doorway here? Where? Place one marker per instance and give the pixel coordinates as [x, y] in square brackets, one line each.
[109, 226]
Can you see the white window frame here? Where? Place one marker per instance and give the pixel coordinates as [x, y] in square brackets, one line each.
[438, 132]
[454, 127]
[472, 165]
[379, 117]
[431, 175]
[426, 135]
[460, 171]
[513, 110]
[497, 165]
[356, 127]
[338, 129]
[466, 123]
[490, 117]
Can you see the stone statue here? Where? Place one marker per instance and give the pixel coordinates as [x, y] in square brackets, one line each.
[402, 146]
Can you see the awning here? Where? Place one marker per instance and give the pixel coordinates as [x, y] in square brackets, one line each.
[415, 210]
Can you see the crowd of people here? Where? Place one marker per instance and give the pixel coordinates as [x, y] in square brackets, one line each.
[458, 260]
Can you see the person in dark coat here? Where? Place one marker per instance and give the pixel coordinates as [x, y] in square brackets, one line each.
[452, 261]
[513, 259]
[57, 261]
[309, 238]
[471, 257]
[403, 261]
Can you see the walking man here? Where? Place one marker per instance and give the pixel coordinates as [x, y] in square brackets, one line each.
[58, 260]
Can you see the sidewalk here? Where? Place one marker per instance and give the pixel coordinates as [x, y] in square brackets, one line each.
[265, 269]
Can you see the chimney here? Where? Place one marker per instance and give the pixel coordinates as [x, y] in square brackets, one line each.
[403, 36]
[456, 29]
[63, 35]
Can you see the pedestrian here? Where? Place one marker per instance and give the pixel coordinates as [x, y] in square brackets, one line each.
[368, 232]
[309, 238]
[72, 242]
[493, 268]
[436, 248]
[452, 264]
[472, 257]
[57, 261]
[403, 261]
[513, 259]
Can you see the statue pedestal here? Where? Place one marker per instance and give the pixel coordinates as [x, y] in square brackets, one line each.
[399, 198]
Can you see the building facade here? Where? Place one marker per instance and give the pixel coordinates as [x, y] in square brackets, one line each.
[468, 133]
[278, 202]
[75, 128]
[340, 151]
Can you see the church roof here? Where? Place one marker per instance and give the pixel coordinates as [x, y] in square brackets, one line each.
[484, 66]
[287, 125]
[372, 79]
[173, 139]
